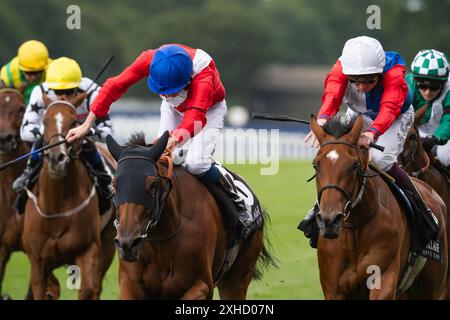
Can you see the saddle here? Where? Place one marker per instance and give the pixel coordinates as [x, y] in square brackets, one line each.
[230, 212]
[415, 222]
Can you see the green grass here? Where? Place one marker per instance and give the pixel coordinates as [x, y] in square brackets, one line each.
[286, 196]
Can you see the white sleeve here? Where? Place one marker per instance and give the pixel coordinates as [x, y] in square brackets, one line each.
[102, 127]
[32, 123]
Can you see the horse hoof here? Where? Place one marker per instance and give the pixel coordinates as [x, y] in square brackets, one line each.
[50, 296]
[5, 297]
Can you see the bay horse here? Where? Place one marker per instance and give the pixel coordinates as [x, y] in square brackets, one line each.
[418, 163]
[62, 222]
[12, 109]
[364, 232]
[171, 238]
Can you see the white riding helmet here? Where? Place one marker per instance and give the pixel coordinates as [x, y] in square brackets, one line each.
[362, 55]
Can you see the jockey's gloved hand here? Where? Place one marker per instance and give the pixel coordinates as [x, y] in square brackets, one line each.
[429, 142]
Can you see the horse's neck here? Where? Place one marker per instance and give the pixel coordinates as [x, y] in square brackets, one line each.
[55, 193]
[368, 205]
[13, 171]
[421, 160]
[170, 219]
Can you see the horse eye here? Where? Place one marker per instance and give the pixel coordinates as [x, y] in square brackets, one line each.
[315, 165]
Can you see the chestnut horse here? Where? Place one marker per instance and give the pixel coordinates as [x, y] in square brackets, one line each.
[12, 109]
[418, 163]
[171, 238]
[62, 222]
[364, 238]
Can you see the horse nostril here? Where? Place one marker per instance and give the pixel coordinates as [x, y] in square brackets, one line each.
[61, 157]
[136, 242]
[9, 138]
[117, 243]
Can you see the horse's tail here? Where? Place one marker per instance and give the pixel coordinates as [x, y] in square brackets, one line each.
[266, 260]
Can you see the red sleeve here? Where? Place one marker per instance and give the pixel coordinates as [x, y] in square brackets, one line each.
[335, 85]
[116, 86]
[200, 98]
[395, 91]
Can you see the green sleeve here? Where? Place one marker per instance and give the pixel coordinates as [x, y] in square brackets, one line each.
[443, 131]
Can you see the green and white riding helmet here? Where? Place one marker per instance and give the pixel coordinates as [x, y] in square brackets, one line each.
[430, 64]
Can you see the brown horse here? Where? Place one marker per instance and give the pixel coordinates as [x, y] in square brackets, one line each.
[172, 238]
[418, 163]
[364, 238]
[62, 222]
[12, 109]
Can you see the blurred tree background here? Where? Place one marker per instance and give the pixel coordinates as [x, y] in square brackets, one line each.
[243, 36]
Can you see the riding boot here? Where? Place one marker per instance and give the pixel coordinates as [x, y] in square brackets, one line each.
[225, 181]
[97, 168]
[309, 226]
[26, 178]
[426, 219]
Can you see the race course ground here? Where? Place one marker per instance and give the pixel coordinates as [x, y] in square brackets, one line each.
[286, 196]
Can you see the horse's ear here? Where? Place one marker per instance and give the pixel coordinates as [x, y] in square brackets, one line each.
[78, 99]
[113, 147]
[318, 131]
[418, 115]
[158, 148]
[356, 129]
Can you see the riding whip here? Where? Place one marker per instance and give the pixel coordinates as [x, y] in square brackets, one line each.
[7, 164]
[276, 117]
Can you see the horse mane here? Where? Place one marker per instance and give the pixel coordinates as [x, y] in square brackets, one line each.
[338, 126]
[137, 139]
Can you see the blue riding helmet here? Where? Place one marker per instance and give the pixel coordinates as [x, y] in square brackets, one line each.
[170, 70]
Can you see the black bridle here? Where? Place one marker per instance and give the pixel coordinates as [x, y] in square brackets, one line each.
[350, 204]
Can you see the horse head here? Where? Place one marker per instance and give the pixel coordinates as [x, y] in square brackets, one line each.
[12, 109]
[340, 165]
[140, 191]
[60, 116]
[412, 148]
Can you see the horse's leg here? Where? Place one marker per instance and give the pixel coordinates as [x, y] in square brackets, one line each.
[235, 282]
[107, 244]
[130, 290]
[53, 290]
[38, 279]
[199, 291]
[4, 257]
[88, 262]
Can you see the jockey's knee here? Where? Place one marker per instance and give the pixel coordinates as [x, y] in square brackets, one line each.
[198, 168]
[384, 162]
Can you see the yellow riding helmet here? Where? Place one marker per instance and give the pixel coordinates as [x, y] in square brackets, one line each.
[33, 56]
[63, 73]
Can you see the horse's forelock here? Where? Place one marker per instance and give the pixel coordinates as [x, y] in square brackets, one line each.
[137, 139]
[338, 126]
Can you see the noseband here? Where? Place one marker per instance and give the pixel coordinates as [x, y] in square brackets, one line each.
[350, 205]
